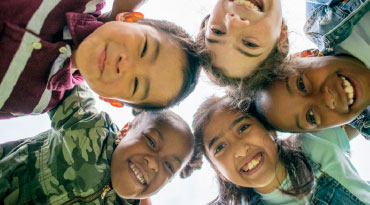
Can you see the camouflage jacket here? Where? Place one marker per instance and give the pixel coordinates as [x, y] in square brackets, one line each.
[68, 164]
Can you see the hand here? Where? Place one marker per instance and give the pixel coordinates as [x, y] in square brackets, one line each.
[145, 201]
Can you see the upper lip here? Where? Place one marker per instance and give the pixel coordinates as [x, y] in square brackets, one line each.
[246, 160]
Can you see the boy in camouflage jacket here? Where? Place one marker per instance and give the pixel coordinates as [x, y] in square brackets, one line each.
[86, 158]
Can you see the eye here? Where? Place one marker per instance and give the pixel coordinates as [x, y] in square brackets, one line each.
[300, 84]
[135, 85]
[250, 44]
[217, 32]
[144, 48]
[219, 148]
[151, 141]
[169, 166]
[243, 128]
[311, 118]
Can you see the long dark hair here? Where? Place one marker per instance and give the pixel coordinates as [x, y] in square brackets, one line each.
[293, 159]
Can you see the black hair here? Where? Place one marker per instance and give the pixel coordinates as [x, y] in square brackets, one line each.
[293, 159]
[191, 69]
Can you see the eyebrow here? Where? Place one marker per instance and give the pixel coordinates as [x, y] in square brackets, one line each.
[288, 86]
[157, 48]
[210, 40]
[159, 133]
[239, 119]
[246, 53]
[146, 90]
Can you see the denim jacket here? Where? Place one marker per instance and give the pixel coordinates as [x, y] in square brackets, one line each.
[329, 22]
[326, 191]
[362, 123]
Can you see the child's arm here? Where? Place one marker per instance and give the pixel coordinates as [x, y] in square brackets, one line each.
[121, 6]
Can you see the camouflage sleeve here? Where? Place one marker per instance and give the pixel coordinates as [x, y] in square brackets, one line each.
[78, 105]
[362, 123]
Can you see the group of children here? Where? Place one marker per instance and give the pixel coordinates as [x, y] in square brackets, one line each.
[150, 65]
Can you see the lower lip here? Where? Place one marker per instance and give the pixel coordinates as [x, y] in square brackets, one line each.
[101, 60]
[133, 175]
[255, 169]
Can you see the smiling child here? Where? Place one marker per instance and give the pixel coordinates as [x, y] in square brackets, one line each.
[51, 47]
[240, 35]
[85, 158]
[254, 166]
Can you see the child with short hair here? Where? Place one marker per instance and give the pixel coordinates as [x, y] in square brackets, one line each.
[317, 93]
[85, 158]
[52, 46]
[243, 39]
[254, 166]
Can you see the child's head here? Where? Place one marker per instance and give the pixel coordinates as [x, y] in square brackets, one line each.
[154, 148]
[324, 92]
[246, 155]
[241, 35]
[149, 64]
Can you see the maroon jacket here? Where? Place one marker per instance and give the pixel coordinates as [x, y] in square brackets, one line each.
[36, 41]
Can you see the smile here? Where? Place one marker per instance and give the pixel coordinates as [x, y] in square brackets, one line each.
[101, 59]
[251, 4]
[138, 174]
[349, 89]
[253, 164]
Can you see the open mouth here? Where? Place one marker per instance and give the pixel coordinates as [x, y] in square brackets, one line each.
[138, 174]
[251, 4]
[349, 90]
[253, 164]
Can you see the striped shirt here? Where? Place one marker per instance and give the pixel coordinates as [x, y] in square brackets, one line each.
[36, 43]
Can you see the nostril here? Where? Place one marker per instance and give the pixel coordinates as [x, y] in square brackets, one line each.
[117, 70]
[232, 15]
[243, 19]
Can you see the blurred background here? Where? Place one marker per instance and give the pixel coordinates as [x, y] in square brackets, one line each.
[201, 187]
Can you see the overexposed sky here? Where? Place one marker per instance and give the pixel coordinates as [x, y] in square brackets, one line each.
[201, 187]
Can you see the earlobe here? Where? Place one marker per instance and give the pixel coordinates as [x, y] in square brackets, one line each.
[129, 16]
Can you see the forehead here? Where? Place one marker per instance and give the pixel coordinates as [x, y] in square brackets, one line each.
[168, 75]
[219, 121]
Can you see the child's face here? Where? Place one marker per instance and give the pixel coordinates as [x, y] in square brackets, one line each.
[148, 157]
[329, 91]
[131, 62]
[240, 38]
[241, 150]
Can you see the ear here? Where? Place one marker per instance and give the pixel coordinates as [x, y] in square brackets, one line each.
[129, 16]
[283, 43]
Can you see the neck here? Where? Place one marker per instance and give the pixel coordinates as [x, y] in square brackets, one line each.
[276, 182]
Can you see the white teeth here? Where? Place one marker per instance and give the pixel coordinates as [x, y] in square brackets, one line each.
[252, 164]
[138, 174]
[348, 88]
[248, 4]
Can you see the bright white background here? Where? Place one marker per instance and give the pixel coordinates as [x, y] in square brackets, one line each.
[201, 186]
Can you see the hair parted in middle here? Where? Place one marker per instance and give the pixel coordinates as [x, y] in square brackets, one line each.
[264, 71]
[293, 159]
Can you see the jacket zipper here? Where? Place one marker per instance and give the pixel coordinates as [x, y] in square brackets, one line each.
[93, 196]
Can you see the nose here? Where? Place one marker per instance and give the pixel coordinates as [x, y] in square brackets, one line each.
[328, 98]
[240, 150]
[152, 163]
[122, 63]
[235, 21]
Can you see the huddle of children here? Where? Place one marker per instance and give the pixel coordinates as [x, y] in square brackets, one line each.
[86, 158]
